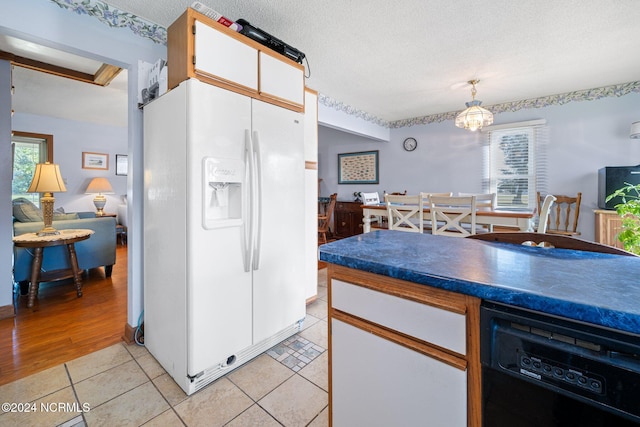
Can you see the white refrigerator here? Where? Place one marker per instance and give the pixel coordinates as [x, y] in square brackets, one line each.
[223, 230]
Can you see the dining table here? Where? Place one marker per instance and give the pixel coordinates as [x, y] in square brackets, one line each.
[522, 219]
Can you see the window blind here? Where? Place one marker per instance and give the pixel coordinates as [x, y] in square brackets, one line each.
[515, 163]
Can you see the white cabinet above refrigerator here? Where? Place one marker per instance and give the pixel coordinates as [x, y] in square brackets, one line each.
[199, 47]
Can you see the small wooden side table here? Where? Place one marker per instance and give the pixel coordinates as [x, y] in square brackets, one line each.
[66, 237]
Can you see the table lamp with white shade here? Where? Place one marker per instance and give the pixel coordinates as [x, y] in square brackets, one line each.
[47, 180]
[99, 186]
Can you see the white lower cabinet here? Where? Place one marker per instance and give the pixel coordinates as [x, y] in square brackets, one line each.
[401, 354]
[376, 382]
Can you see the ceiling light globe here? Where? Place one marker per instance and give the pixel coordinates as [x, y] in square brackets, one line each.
[474, 117]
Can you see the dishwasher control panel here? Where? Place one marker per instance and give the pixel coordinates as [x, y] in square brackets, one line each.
[538, 367]
[580, 361]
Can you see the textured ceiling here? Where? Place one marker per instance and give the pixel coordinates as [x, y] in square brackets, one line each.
[411, 58]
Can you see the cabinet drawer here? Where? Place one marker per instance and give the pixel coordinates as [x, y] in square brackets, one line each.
[424, 322]
[351, 207]
[225, 58]
[281, 80]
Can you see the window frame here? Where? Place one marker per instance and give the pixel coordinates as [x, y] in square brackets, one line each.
[45, 140]
[536, 175]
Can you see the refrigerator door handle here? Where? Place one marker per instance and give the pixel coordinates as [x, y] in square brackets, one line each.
[257, 200]
[247, 228]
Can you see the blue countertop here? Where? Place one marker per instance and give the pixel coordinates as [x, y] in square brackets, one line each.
[596, 288]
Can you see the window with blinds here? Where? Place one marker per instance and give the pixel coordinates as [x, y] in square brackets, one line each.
[515, 163]
[28, 150]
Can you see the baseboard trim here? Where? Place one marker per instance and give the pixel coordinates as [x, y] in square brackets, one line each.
[7, 311]
[129, 334]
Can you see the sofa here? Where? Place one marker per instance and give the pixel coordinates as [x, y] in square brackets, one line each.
[97, 251]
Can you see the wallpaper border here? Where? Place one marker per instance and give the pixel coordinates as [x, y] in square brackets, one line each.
[545, 101]
[116, 18]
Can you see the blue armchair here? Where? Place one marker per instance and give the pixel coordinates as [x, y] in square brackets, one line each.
[97, 251]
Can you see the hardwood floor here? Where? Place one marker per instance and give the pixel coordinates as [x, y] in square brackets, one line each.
[61, 326]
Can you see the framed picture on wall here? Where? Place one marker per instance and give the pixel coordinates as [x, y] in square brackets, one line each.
[358, 168]
[95, 161]
[122, 164]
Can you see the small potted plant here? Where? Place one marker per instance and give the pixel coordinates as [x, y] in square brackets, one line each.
[629, 211]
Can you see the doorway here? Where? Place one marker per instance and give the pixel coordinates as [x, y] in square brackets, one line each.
[68, 109]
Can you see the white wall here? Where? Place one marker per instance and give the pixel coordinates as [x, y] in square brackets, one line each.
[70, 139]
[583, 137]
[337, 119]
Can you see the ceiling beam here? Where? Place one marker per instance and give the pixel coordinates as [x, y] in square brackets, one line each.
[105, 74]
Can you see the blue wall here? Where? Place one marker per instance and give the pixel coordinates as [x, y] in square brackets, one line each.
[71, 138]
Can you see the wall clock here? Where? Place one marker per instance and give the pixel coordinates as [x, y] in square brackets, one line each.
[410, 144]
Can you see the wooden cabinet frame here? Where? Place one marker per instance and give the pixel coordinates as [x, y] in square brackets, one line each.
[182, 62]
[608, 226]
[449, 301]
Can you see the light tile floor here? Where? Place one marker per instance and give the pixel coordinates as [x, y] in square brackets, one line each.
[123, 385]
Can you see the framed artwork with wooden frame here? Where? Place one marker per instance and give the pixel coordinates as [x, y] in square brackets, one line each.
[358, 168]
[97, 161]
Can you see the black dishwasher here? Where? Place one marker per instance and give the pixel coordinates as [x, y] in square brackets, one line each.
[540, 370]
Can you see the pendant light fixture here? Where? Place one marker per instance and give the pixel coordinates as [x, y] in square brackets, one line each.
[474, 117]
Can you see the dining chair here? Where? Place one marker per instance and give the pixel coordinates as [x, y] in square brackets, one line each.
[483, 200]
[382, 221]
[426, 195]
[543, 217]
[405, 213]
[487, 201]
[425, 202]
[448, 214]
[324, 220]
[563, 219]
